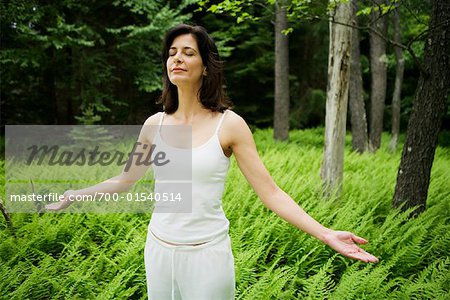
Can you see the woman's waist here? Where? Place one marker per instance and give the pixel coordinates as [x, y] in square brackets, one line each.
[181, 232]
[175, 244]
[167, 242]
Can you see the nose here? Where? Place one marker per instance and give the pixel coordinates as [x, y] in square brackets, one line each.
[177, 58]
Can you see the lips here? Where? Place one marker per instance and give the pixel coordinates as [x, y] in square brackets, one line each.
[178, 69]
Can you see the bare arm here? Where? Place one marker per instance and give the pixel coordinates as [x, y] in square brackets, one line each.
[122, 182]
[274, 198]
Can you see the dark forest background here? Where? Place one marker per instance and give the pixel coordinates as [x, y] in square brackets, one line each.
[98, 62]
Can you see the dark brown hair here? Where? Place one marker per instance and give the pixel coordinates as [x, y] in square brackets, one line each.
[212, 94]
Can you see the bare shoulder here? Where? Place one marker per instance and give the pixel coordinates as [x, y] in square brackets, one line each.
[234, 121]
[235, 129]
[149, 126]
[153, 119]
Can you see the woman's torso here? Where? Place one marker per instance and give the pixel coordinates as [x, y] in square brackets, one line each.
[202, 219]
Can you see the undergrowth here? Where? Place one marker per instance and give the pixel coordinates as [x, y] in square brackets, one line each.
[100, 256]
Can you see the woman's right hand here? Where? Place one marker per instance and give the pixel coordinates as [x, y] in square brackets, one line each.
[64, 203]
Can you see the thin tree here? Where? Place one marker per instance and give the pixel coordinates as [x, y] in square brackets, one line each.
[429, 106]
[378, 69]
[356, 92]
[7, 217]
[281, 106]
[337, 97]
[400, 67]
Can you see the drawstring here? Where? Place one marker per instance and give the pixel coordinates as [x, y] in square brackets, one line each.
[172, 267]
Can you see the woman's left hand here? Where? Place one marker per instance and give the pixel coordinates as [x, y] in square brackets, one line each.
[344, 243]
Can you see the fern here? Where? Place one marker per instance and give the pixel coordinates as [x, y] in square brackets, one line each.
[88, 256]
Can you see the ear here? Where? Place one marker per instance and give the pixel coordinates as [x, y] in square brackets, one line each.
[204, 72]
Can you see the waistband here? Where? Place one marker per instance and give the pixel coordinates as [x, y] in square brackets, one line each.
[188, 247]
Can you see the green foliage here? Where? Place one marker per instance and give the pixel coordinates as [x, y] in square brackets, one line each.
[306, 10]
[68, 56]
[60, 59]
[86, 256]
[309, 110]
[89, 117]
[369, 7]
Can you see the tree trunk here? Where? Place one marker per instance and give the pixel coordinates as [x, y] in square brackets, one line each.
[378, 68]
[429, 106]
[356, 93]
[281, 111]
[398, 82]
[337, 98]
[7, 217]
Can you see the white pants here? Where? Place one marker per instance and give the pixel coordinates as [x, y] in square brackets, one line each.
[201, 272]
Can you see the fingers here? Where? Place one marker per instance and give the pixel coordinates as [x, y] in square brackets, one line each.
[351, 250]
[373, 258]
[363, 256]
[370, 257]
[52, 207]
[358, 239]
[58, 205]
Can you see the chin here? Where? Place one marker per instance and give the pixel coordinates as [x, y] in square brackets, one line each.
[181, 81]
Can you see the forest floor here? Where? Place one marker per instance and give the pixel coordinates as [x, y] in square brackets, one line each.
[100, 256]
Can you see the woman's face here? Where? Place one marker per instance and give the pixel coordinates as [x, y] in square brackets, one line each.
[185, 56]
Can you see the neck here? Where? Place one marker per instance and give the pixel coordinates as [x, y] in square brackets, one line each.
[189, 104]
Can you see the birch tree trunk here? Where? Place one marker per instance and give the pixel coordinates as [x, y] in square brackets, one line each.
[281, 109]
[356, 93]
[429, 107]
[378, 68]
[337, 98]
[398, 82]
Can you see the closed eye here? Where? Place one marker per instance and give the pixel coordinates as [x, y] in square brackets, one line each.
[188, 50]
[188, 54]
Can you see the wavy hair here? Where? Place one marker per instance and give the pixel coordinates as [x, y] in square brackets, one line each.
[211, 93]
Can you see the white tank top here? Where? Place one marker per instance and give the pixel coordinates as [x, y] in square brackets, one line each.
[207, 219]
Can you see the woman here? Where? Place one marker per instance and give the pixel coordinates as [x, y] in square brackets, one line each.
[188, 255]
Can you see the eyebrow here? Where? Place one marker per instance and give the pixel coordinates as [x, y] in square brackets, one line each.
[186, 47]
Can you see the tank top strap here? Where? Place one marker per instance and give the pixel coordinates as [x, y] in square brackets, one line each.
[220, 121]
[160, 122]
